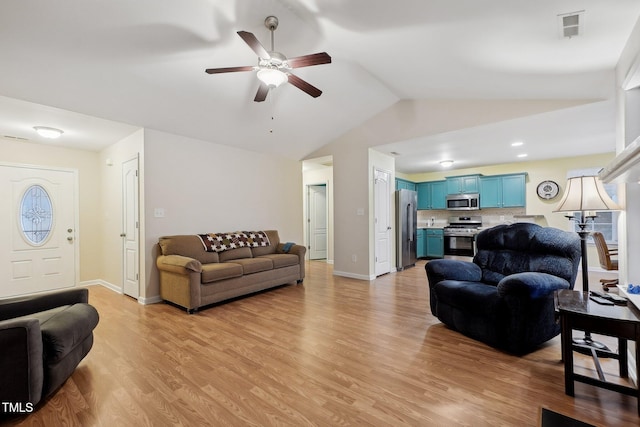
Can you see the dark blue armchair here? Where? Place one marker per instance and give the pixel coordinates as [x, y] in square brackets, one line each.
[504, 298]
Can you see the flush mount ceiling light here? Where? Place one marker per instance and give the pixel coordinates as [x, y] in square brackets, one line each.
[272, 77]
[517, 144]
[47, 132]
[446, 163]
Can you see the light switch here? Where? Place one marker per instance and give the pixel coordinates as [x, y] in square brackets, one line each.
[158, 212]
[360, 211]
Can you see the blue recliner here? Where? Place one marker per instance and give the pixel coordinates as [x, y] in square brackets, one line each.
[504, 298]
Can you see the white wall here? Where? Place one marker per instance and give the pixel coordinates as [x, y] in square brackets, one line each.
[629, 244]
[207, 187]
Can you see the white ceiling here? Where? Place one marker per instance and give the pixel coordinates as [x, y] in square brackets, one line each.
[141, 64]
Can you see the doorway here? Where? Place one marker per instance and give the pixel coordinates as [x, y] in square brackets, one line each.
[317, 221]
[39, 247]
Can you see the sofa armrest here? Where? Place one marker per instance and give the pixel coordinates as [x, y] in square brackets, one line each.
[25, 305]
[531, 284]
[452, 269]
[299, 250]
[21, 361]
[178, 264]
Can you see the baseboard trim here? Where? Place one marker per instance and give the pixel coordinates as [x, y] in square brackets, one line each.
[150, 300]
[353, 275]
[103, 283]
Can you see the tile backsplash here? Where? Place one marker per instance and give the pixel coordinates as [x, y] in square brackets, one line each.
[490, 217]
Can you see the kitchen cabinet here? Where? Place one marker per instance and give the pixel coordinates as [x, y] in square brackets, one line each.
[503, 191]
[434, 243]
[421, 245]
[403, 184]
[431, 195]
[463, 184]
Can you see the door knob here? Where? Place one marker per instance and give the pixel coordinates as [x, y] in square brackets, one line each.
[70, 239]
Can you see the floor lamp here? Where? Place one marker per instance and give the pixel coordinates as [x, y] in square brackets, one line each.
[585, 194]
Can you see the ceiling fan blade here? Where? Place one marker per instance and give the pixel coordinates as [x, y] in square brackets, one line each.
[261, 95]
[254, 44]
[228, 69]
[308, 60]
[304, 86]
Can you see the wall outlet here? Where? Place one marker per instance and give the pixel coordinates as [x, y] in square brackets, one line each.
[354, 258]
[501, 217]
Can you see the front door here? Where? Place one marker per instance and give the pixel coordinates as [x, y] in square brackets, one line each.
[38, 229]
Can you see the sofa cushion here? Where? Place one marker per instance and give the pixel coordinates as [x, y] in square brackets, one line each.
[235, 254]
[282, 260]
[274, 240]
[188, 246]
[254, 265]
[63, 328]
[220, 271]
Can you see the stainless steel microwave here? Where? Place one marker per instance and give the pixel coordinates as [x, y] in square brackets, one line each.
[463, 202]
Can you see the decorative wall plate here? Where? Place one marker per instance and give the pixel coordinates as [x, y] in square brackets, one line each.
[548, 190]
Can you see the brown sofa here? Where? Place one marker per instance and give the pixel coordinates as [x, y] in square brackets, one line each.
[192, 278]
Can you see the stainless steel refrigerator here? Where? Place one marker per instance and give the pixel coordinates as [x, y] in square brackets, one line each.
[406, 221]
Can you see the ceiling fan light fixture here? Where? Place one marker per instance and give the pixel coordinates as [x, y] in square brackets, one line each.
[47, 132]
[272, 77]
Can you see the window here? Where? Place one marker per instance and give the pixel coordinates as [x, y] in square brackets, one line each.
[36, 215]
[605, 222]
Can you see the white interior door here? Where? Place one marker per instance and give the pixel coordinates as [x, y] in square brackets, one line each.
[382, 214]
[317, 209]
[38, 229]
[130, 229]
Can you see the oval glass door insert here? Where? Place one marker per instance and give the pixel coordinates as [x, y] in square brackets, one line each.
[36, 215]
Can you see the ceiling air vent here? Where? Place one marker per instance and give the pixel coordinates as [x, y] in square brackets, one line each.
[15, 138]
[571, 24]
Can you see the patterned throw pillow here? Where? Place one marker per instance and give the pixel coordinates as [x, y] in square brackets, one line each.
[218, 242]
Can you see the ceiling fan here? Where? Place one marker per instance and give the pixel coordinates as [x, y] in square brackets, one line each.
[274, 68]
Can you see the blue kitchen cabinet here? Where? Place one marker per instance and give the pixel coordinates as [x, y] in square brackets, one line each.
[463, 184]
[421, 247]
[434, 245]
[503, 191]
[431, 195]
[403, 184]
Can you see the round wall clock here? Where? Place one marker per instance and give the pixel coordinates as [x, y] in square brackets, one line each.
[547, 190]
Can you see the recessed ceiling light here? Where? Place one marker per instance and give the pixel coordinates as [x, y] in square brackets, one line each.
[446, 163]
[517, 144]
[47, 132]
[522, 155]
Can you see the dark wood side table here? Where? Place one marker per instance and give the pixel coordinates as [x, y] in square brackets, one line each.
[577, 311]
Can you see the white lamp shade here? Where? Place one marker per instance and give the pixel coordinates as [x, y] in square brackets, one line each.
[272, 77]
[585, 193]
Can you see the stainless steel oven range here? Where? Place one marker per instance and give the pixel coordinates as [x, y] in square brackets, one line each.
[460, 234]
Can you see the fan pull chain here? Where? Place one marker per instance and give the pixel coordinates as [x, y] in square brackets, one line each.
[272, 107]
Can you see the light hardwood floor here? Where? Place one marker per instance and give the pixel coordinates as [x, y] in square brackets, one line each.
[330, 352]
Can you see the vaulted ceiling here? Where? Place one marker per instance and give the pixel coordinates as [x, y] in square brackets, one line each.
[103, 68]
